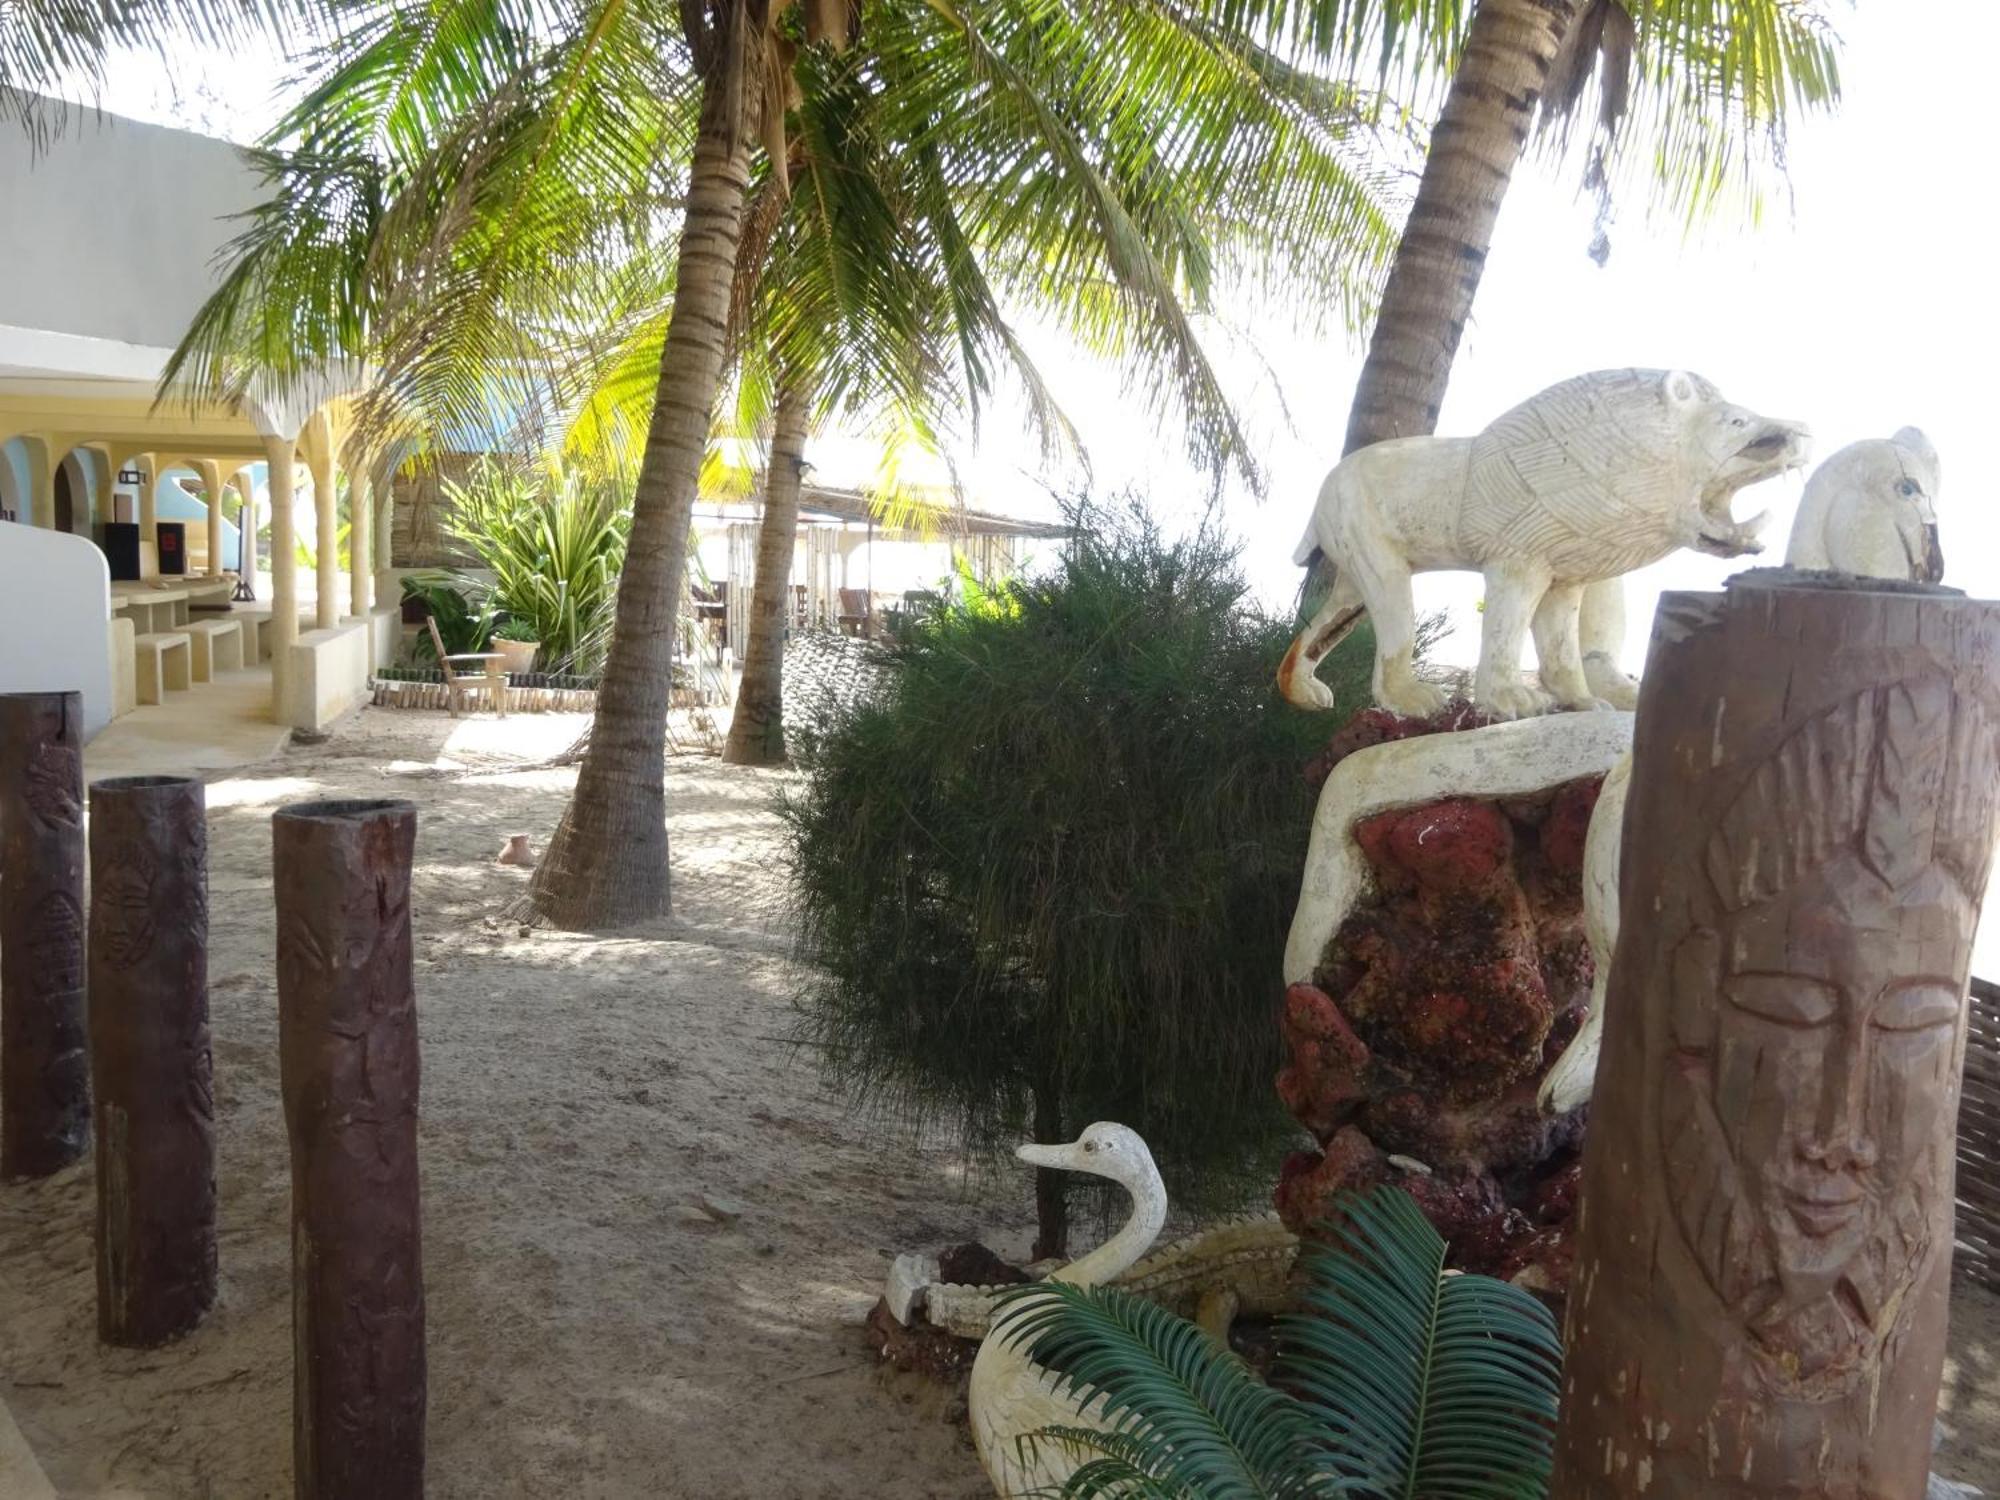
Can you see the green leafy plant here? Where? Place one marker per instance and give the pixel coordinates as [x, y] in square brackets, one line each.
[465, 624]
[554, 541]
[1045, 876]
[1395, 1380]
[515, 630]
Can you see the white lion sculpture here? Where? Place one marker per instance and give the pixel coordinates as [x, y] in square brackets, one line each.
[1571, 489]
[1871, 509]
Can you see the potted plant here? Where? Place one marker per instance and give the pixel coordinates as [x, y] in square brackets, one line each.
[515, 640]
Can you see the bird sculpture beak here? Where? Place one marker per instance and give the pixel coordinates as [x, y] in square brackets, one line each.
[1043, 1156]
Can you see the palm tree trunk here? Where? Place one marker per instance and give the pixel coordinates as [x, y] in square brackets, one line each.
[757, 730]
[1480, 135]
[606, 865]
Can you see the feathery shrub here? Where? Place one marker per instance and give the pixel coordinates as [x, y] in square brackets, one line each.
[1044, 875]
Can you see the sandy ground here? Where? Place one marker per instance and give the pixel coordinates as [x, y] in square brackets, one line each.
[592, 1332]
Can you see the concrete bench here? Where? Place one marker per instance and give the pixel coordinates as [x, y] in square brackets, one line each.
[162, 663]
[218, 647]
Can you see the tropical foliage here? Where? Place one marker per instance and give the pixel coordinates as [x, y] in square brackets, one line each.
[1692, 97]
[463, 617]
[1394, 1380]
[1046, 875]
[482, 199]
[554, 541]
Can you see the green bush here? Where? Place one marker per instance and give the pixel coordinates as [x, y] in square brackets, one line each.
[1045, 876]
[554, 542]
[464, 619]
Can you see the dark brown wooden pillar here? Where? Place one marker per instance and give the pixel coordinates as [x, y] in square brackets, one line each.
[347, 1034]
[151, 1078]
[1765, 1239]
[44, 1068]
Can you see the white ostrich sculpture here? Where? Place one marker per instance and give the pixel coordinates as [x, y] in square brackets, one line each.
[1010, 1396]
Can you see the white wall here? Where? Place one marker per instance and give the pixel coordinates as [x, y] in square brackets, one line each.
[55, 618]
[111, 229]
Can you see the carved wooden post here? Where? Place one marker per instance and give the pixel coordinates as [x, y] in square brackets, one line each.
[44, 1069]
[347, 1035]
[151, 1077]
[1766, 1223]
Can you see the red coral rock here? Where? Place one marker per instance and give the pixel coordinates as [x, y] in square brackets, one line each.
[1563, 830]
[1324, 1078]
[1377, 726]
[1437, 1009]
[1309, 1182]
[1450, 846]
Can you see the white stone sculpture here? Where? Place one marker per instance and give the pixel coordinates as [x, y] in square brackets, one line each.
[1588, 480]
[1871, 509]
[1567, 1084]
[1010, 1397]
[1501, 760]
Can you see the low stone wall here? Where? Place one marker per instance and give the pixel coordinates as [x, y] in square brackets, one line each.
[55, 613]
[124, 667]
[327, 675]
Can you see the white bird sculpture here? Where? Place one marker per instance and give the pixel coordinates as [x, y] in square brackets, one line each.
[1010, 1396]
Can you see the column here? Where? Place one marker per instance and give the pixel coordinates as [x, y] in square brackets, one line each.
[149, 512]
[211, 486]
[280, 453]
[319, 448]
[246, 533]
[1763, 1254]
[385, 531]
[40, 509]
[360, 538]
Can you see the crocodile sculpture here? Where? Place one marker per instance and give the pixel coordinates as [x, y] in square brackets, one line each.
[1244, 1265]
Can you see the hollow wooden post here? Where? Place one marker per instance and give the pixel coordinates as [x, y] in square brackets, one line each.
[151, 1078]
[1764, 1251]
[347, 1036]
[44, 1068]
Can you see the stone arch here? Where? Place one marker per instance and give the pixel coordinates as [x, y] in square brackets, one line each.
[14, 493]
[73, 481]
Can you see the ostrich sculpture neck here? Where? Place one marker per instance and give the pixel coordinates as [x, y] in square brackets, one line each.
[1114, 1152]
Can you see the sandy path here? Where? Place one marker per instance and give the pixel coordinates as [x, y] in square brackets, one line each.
[591, 1332]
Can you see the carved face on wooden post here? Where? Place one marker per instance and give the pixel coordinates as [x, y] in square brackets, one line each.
[1817, 1025]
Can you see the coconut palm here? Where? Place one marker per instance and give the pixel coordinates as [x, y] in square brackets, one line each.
[1085, 164]
[55, 43]
[1702, 88]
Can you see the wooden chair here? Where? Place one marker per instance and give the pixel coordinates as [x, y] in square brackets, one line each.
[854, 613]
[493, 680]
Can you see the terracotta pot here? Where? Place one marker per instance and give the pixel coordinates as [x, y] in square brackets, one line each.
[520, 654]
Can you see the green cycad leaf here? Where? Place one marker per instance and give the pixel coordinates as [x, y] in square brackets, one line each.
[1432, 1385]
[1182, 1410]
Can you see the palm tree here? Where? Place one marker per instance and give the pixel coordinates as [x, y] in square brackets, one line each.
[1096, 153]
[1705, 88]
[51, 43]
